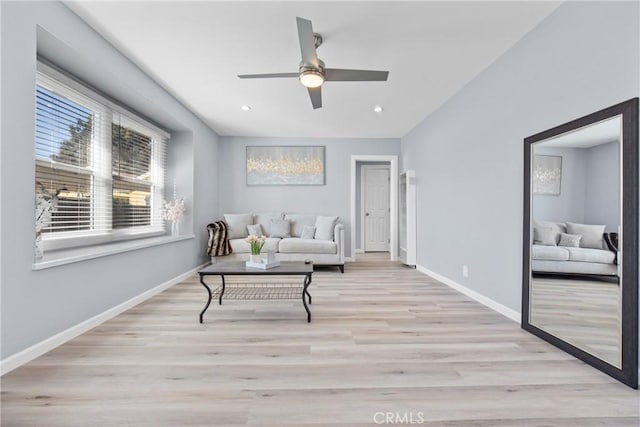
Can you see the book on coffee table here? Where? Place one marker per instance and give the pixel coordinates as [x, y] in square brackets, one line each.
[262, 265]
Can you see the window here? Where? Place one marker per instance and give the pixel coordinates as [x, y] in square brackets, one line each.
[104, 165]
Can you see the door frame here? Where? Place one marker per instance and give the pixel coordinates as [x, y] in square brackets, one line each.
[386, 166]
[393, 201]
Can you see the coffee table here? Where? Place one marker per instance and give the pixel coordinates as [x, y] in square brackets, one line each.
[251, 291]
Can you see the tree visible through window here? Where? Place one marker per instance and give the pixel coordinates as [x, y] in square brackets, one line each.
[63, 152]
[104, 165]
[131, 169]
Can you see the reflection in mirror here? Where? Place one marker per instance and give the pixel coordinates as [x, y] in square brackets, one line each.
[575, 291]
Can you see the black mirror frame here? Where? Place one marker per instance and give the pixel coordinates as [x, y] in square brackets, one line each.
[628, 373]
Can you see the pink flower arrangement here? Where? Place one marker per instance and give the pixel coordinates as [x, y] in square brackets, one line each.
[256, 242]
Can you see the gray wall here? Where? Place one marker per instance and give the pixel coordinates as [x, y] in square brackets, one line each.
[468, 155]
[39, 304]
[333, 198]
[568, 206]
[590, 192]
[602, 199]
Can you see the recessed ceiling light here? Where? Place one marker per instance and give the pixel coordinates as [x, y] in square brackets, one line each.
[378, 109]
[245, 108]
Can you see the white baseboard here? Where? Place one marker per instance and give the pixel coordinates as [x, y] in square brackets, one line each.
[495, 306]
[14, 361]
[359, 251]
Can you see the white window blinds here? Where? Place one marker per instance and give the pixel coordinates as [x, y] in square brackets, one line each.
[103, 164]
[137, 177]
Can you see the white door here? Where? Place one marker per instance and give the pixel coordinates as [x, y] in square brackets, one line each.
[376, 208]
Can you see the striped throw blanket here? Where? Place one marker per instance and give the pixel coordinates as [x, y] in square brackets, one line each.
[218, 244]
[611, 240]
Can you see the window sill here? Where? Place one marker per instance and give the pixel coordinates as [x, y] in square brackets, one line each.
[68, 256]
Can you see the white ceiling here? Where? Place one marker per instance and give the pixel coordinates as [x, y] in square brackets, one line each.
[196, 49]
[603, 132]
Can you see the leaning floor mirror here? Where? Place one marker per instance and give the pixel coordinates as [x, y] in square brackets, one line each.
[580, 240]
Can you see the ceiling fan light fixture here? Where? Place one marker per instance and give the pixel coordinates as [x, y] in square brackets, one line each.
[311, 78]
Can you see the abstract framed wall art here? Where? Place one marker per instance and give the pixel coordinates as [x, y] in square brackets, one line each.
[285, 165]
[547, 175]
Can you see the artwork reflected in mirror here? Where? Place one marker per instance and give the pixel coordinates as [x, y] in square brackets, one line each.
[575, 283]
[580, 235]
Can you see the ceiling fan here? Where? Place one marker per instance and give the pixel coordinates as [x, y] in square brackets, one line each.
[312, 73]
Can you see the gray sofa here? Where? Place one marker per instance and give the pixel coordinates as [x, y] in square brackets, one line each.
[591, 257]
[323, 244]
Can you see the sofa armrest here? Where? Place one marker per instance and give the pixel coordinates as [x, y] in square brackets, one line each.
[338, 237]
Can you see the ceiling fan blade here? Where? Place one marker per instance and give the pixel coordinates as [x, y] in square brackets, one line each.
[267, 76]
[307, 42]
[315, 93]
[340, 75]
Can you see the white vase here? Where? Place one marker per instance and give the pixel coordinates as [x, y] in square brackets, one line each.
[175, 228]
[255, 258]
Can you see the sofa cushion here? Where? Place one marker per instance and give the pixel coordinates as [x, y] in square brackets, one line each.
[591, 255]
[570, 240]
[255, 230]
[557, 227]
[280, 228]
[241, 246]
[298, 223]
[308, 232]
[308, 246]
[544, 236]
[324, 227]
[591, 234]
[237, 225]
[264, 219]
[551, 253]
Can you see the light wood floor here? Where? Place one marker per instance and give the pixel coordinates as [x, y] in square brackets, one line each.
[585, 313]
[384, 338]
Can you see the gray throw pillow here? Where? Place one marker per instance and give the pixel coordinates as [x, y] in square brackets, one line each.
[545, 236]
[264, 219]
[237, 225]
[324, 227]
[570, 240]
[298, 221]
[591, 234]
[255, 230]
[308, 232]
[280, 228]
[557, 227]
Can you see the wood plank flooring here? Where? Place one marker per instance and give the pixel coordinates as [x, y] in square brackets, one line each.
[383, 338]
[585, 313]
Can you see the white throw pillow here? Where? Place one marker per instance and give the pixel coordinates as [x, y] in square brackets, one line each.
[255, 230]
[308, 232]
[237, 225]
[299, 221]
[557, 227]
[570, 240]
[591, 234]
[280, 228]
[324, 227]
[545, 236]
[264, 219]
